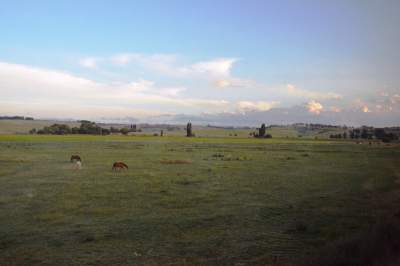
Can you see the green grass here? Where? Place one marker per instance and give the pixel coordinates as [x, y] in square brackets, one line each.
[186, 200]
[148, 138]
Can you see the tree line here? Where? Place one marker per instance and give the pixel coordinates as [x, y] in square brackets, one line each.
[86, 127]
[367, 133]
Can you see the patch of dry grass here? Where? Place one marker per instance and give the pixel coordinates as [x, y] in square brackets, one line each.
[175, 161]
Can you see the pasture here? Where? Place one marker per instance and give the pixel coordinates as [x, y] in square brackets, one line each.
[184, 201]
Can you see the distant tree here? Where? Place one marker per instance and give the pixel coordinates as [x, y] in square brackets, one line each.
[124, 131]
[352, 135]
[189, 132]
[55, 129]
[75, 130]
[88, 127]
[344, 135]
[114, 130]
[32, 131]
[261, 131]
[364, 133]
[105, 131]
[162, 133]
[357, 133]
[379, 133]
[382, 135]
[59, 129]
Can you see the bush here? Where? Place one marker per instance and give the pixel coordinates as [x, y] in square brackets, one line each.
[124, 131]
[55, 129]
[114, 130]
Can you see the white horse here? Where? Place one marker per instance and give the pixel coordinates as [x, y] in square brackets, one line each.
[77, 165]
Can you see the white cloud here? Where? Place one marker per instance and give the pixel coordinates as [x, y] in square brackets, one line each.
[234, 83]
[89, 62]
[161, 63]
[220, 67]
[244, 106]
[20, 83]
[221, 83]
[122, 59]
[294, 91]
[314, 107]
[172, 91]
[335, 109]
[168, 64]
[77, 111]
[365, 109]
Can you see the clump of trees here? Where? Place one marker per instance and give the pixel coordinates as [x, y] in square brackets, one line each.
[367, 133]
[262, 133]
[381, 134]
[86, 127]
[126, 130]
[338, 136]
[55, 129]
[189, 132]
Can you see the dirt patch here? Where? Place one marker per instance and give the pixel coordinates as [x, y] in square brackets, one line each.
[175, 161]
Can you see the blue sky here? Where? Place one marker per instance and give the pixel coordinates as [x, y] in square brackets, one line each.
[332, 60]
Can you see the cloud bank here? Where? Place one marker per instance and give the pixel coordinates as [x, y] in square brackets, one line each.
[169, 87]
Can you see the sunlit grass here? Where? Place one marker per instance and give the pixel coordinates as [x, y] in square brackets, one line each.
[185, 200]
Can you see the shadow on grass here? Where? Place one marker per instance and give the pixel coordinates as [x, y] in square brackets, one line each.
[378, 246]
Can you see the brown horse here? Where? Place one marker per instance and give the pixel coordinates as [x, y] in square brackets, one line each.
[119, 165]
[76, 158]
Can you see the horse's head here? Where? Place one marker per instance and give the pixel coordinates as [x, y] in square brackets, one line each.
[75, 158]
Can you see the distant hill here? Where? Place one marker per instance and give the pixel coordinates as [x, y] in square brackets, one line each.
[16, 117]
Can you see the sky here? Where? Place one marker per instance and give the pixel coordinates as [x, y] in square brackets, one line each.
[211, 62]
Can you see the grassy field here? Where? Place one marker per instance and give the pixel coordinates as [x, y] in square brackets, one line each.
[23, 127]
[184, 201]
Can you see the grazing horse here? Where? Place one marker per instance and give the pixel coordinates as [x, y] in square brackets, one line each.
[78, 165]
[75, 158]
[119, 165]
